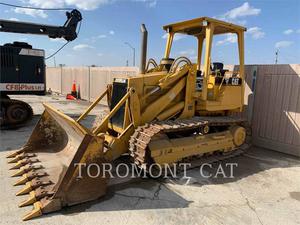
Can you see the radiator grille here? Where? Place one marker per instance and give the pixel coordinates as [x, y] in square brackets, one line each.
[7, 57]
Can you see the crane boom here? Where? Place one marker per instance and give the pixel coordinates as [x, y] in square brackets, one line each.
[67, 31]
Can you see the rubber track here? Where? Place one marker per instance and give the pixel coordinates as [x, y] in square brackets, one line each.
[144, 134]
[5, 124]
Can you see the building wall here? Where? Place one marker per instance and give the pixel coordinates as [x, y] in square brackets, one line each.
[272, 95]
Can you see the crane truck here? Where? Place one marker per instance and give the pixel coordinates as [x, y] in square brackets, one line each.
[22, 68]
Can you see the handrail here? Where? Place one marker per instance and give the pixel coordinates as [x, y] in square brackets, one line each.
[221, 83]
[104, 122]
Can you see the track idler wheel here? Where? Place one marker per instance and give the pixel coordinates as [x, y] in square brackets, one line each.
[239, 135]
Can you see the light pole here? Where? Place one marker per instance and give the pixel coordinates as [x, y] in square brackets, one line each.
[130, 46]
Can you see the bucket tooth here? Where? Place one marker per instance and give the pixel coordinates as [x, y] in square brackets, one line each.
[15, 153]
[22, 180]
[23, 162]
[26, 189]
[20, 172]
[31, 200]
[17, 166]
[37, 195]
[33, 184]
[25, 169]
[36, 212]
[29, 176]
[14, 160]
[20, 157]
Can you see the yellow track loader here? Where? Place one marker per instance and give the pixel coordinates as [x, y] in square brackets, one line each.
[172, 111]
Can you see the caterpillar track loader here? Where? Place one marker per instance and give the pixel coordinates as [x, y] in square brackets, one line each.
[170, 112]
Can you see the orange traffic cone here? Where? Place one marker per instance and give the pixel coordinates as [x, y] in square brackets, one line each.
[70, 97]
[74, 91]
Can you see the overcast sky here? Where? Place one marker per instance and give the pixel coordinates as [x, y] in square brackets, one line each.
[107, 24]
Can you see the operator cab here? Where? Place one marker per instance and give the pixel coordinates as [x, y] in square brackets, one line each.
[212, 79]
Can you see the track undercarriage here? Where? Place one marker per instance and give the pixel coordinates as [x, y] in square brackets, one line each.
[195, 141]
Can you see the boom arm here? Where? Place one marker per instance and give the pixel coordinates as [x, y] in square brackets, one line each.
[67, 31]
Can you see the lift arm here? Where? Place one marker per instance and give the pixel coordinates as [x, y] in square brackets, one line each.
[67, 31]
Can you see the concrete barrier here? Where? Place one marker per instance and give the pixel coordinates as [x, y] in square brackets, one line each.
[54, 79]
[91, 80]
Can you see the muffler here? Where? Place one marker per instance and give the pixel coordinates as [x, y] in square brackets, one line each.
[144, 42]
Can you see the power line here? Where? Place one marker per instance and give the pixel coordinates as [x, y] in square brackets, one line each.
[78, 31]
[35, 8]
[57, 50]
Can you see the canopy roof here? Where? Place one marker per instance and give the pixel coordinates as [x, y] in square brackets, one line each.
[197, 26]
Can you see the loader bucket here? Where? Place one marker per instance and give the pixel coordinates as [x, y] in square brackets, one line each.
[53, 164]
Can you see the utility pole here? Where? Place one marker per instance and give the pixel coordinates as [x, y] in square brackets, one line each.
[54, 61]
[127, 62]
[133, 49]
[276, 56]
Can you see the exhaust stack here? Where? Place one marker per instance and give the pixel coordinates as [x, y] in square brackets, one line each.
[143, 49]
